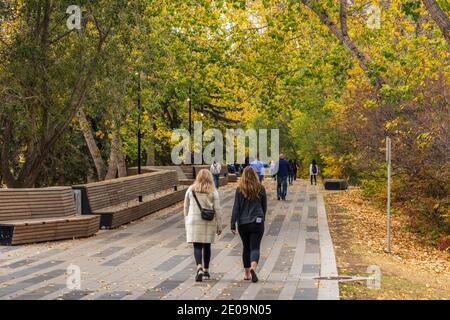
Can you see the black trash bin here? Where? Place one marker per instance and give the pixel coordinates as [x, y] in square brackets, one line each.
[335, 184]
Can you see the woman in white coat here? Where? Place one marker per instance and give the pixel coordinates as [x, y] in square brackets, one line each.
[200, 232]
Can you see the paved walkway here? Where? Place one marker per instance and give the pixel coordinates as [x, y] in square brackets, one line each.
[149, 259]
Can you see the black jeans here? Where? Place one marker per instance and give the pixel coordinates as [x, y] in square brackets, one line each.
[251, 235]
[202, 254]
[315, 179]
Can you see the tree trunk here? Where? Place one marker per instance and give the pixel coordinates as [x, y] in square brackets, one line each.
[117, 163]
[4, 153]
[151, 151]
[342, 35]
[113, 159]
[92, 146]
[440, 17]
[121, 165]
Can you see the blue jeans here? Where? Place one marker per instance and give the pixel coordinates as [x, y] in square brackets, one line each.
[281, 187]
[216, 180]
[291, 178]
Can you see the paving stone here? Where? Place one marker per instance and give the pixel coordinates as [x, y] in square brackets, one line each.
[115, 295]
[285, 259]
[171, 263]
[108, 251]
[20, 263]
[116, 237]
[306, 294]
[45, 277]
[312, 246]
[275, 227]
[40, 292]
[312, 229]
[39, 279]
[5, 291]
[312, 212]
[150, 253]
[175, 243]
[162, 227]
[267, 294]
[75, 295]
[129, 255]
[228, 237]
[311, 268]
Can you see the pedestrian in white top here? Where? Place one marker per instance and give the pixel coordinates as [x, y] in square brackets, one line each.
[201, 232]
[313, 171]
[215, 169]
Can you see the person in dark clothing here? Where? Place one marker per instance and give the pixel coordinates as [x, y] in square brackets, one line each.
[291, 172]
[282, 170]
[295, 170]
[249, 212]
[313, 171]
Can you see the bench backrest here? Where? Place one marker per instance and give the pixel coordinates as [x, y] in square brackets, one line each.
[24, 204]
[117, 191]
[184, 172]
[223, 171]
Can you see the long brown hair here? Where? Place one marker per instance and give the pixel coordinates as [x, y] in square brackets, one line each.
[204, 182]
[249, 184]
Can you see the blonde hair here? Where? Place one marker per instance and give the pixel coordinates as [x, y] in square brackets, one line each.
[204, 182]
[249, 184]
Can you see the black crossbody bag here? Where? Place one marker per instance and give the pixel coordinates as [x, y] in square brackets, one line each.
[207, 214]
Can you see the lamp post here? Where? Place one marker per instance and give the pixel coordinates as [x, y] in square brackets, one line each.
[388, 160]
[190, 111]
[139, 103]
[139, 120]
[189, 100]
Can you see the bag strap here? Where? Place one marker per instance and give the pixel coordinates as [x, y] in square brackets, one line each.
[196, 200]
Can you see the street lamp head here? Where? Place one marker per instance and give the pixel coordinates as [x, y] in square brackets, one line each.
[188, 100]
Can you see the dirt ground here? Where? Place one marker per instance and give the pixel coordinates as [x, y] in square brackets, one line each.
[413, 270]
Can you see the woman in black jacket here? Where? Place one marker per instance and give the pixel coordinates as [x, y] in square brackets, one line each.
[249, 212]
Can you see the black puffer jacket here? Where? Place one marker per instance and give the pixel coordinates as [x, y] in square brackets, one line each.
[247, 211]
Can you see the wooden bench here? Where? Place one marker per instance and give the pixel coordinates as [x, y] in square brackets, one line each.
[117, 201]
[232, 177]
[223, 179]
[186, 173]
[38, 215]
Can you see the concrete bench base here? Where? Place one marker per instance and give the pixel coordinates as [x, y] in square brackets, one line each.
[232, 177]
[335, 184]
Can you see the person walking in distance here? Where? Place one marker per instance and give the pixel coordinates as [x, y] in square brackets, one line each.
[258, 166]
[203, 220]
[291, 172]
[249, 212]
[215, 169]
[295, 170]
[313, 171]
[282, 169]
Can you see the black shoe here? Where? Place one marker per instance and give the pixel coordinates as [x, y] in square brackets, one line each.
[199, 275]
[278, 198]
[254, 276]
[206, 275]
